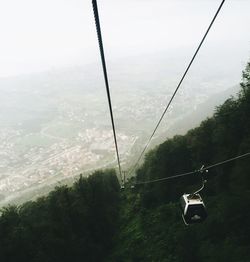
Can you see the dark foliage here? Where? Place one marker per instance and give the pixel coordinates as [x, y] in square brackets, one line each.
[151, 224]
[70, 224]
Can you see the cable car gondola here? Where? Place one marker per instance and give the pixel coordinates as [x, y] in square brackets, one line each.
[193, 208]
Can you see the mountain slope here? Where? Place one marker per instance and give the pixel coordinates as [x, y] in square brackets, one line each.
[151, 225]
[95, 221]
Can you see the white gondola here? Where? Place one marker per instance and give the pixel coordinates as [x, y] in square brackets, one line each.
[193, 208]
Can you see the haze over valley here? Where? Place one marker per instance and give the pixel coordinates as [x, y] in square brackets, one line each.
[56, 125]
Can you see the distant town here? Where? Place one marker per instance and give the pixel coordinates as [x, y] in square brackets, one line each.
[56, 126]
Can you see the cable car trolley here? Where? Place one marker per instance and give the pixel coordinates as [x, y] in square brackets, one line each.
[193, 207]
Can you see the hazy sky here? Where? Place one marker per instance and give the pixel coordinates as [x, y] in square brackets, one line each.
[37, 35]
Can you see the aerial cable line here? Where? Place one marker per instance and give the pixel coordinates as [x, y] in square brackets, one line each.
[195, 171]
[99, 35]
[226, 161]
[178, 86]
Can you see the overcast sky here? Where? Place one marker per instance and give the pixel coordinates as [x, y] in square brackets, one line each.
[37, 35]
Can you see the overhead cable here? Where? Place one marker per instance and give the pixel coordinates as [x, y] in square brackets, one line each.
[99, 35]
[226, 161]
[195, 171]
[177, 88]
[166, 178]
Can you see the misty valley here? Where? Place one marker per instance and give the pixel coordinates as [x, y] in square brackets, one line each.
[55, 125]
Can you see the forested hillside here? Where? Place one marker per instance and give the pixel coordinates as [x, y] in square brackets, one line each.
[70, 224]
[151, 227]
[96, 221]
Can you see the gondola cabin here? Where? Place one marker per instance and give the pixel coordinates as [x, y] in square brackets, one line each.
[193, 208]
